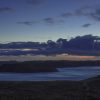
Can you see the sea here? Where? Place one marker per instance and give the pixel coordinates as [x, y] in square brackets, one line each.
[69, 73]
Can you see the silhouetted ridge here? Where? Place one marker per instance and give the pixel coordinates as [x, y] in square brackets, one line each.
[43, 66]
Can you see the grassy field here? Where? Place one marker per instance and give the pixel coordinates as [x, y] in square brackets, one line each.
[53, 90]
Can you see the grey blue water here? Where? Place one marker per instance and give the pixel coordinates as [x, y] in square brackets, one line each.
[71, 73]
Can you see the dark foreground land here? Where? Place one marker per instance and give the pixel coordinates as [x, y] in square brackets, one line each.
[42, 66]
[54, 90]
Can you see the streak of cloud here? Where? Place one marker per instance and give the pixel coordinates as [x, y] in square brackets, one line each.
[66, 15]
[86, 25]
[89, 12]
[52, 21]
[27, 23]
[6, 9]
[49, 20]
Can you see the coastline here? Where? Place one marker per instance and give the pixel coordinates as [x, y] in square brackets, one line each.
[88, 89]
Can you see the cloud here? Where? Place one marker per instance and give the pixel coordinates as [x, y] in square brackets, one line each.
[89, 12]
[96, 15]
[81, 45]
[86, 25]
[49, 20]
[84, 11]
[6, 9]
[26, 23]
[53, 21]
[66, 15]
[35, 2]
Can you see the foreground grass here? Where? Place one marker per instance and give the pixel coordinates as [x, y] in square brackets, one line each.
[53, 90]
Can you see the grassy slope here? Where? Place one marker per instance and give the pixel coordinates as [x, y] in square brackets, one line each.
[55, 90]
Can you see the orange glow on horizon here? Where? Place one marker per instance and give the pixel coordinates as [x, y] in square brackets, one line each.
[44, 58]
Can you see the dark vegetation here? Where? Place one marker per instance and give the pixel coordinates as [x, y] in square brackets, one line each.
[82, 45]
[7, 62]
[54, 90]
[43, 66]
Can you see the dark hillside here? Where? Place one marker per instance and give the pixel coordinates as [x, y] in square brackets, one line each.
[43, 66]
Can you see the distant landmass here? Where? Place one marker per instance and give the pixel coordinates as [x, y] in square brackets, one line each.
[42, 66]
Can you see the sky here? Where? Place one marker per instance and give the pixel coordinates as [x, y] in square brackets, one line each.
[45, 58]
[42, 20]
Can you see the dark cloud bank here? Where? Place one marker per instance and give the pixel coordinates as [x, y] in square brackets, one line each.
[80, 45]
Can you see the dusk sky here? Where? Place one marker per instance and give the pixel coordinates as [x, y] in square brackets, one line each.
[41, 20]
